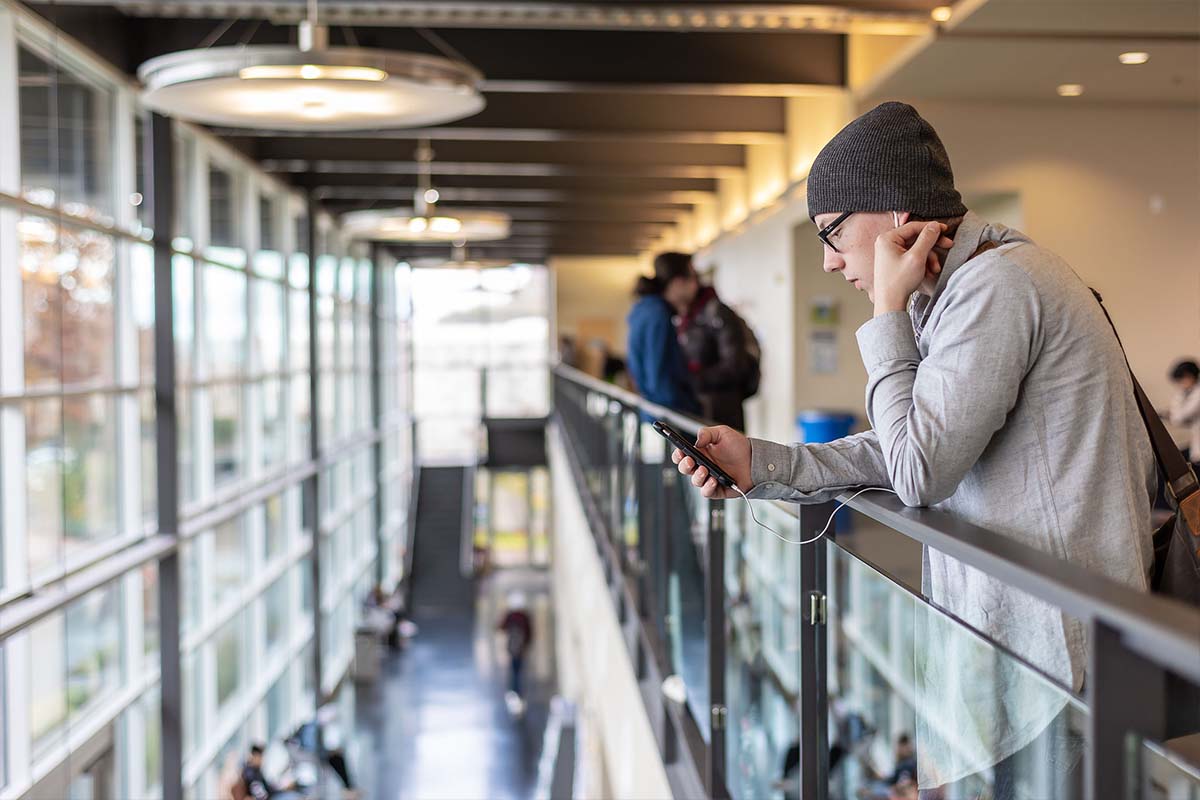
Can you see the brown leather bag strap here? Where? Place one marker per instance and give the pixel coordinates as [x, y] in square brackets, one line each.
[1181, 479]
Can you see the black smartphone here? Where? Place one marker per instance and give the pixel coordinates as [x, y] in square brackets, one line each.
[680, 441]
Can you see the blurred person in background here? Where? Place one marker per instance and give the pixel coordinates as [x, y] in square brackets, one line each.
[517, 627]
[1185, 407]
[258, 786]
[656, 361]
[723, 355]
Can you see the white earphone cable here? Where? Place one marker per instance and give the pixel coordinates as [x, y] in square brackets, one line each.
[828, 522]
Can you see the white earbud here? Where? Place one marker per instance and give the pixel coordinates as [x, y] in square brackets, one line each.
[895, 220]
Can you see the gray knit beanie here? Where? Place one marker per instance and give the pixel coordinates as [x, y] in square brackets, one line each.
[889, 159]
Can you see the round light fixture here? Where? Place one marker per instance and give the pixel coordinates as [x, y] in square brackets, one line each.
[942, 14]
[404, 225]
[433, 262]
[1136, 57]
[326, 89]
[1070, 90]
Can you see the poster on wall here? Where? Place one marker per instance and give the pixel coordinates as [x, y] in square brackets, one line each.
[823, 318]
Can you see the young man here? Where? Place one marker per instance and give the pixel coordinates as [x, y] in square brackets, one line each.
[998, 393]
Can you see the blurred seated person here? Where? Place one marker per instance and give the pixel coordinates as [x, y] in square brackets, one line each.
[902, 777]
[257, 785]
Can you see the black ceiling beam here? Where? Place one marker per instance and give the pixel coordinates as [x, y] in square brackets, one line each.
[524, 198]
[607, 215]
[365, 147]
[571, 184]
[637, 56]
[632, 113]
[440, 170]
[573, 56]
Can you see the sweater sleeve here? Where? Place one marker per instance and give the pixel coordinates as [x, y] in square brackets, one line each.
[814, 473]
[935, 415]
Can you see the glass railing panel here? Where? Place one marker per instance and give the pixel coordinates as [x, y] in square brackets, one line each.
[652, 522]
[630, 431]
[1164, 774]
[688, 619]
[916, 696]
[762, 596]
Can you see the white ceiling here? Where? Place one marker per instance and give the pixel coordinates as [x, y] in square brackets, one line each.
[1124, 17]
[1022, 50]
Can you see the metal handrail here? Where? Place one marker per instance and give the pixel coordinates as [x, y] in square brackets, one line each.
[1161, 630]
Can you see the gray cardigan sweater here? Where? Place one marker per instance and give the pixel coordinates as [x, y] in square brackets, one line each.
[1003, 399]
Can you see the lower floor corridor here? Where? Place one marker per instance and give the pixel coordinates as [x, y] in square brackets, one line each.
[436, 724]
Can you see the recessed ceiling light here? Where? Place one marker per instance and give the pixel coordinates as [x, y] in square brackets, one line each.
[942, 14]
[1135, 57]
[1070, 90]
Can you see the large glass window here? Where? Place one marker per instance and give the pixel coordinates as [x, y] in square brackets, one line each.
[225, 320]
[229, 562]
[277, 612]
[85, 299]
[223, 210]
[477, 332]
[275, 536]
[227, 426]
[229, 660]
[70, 463]
[66, 138]
[74, 662]
[150, 619]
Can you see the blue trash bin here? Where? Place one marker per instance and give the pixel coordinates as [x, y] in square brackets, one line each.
[823, 426]
[826, 426]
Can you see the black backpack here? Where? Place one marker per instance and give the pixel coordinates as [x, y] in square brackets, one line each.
[752, 370]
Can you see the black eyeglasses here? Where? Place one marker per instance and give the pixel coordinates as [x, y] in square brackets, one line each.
[823, 234]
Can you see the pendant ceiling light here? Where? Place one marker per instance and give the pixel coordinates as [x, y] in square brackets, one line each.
[425, 222]
[459, 260]
[313, 87]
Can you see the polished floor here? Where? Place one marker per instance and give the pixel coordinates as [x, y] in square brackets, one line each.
[435, 725]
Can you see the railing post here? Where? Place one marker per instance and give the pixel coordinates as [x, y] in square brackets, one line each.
[714, 597]
[1126, 695]
[662, 571]
[814, 699]
[616, 471]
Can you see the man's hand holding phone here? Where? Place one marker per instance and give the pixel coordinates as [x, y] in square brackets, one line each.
[728, 449]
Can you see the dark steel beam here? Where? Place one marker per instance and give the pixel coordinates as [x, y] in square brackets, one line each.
[369, 147]
[490, 169]
[463, 132]
[626, 186]
[159, 160]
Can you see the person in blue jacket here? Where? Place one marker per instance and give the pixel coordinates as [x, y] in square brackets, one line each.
[656, 361]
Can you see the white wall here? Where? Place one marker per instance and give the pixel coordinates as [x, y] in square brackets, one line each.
[595, 288]
[1115, 191]
[594, 668]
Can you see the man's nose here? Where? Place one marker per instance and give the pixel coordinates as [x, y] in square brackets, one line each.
[833, 261]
